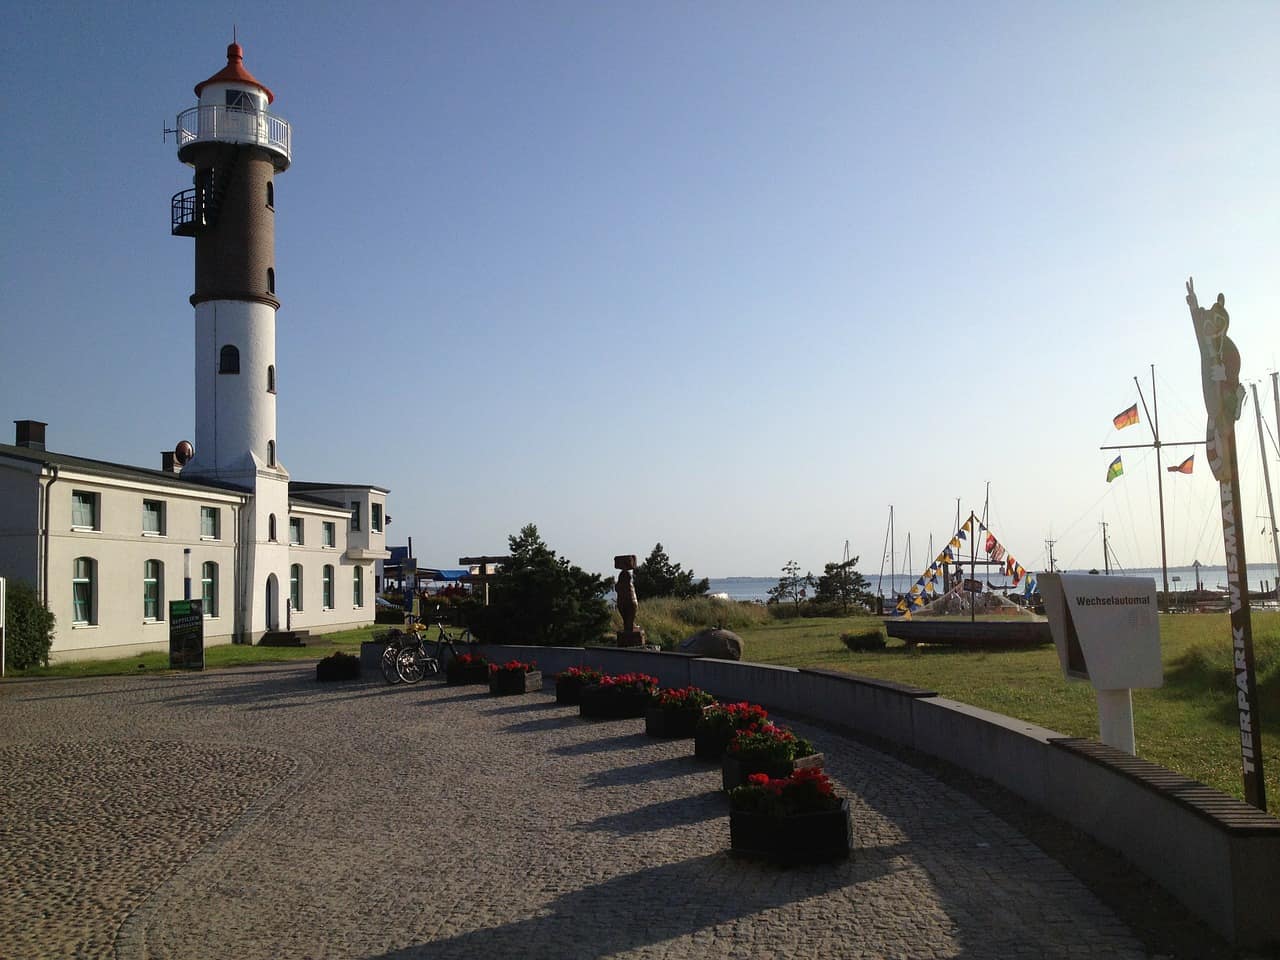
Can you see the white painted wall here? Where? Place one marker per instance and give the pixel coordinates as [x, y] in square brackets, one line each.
[120, 550]
[235, 413]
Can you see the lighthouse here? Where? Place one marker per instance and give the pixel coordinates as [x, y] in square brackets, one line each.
[237, 148]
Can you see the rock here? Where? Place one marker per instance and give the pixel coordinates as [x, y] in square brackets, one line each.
[714, 642]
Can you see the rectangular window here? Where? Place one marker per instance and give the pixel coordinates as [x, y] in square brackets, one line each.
[210, 523]
[82, 588]
[326, 594]
[295, 586]
[152, 589]
[84, 510]
[209, 588]
[330, 531]
[357, 587]
[295, 530]
[153, 517]
[375, 522]
[355, 514]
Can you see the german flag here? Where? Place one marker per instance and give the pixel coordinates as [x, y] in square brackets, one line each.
[1126, 419]
[1185, 466]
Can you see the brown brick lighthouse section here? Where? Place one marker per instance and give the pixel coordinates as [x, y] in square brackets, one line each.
[254, 813]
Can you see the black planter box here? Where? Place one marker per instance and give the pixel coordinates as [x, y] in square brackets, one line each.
[672, 724]
[803, 838]
[734, 772]
[602, 703]
[506, 683]
[458, 674]
[568, 690]
[709, 744]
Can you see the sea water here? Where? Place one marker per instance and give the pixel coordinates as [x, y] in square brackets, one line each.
[1180, 579]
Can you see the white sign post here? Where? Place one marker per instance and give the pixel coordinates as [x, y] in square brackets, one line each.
[1107, 631]
[2, 624]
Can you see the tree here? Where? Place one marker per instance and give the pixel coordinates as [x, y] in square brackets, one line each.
[659, 577]
[540, 598]
[842, 583]
[29, 627]
[791, 586]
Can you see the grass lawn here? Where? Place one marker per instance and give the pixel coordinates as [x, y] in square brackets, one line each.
[223, 655]
[1188, 725]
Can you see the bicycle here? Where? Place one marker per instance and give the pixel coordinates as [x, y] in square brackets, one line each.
[416, 661]
[395, 641]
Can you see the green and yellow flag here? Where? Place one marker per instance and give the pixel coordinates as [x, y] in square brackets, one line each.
[1115, 470]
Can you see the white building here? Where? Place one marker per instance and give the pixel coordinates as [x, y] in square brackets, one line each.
[106, 545]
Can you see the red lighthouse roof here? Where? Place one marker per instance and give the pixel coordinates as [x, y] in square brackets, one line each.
[234, 72]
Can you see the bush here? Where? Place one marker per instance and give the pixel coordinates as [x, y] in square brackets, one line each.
[29, 628]
[860, 640]
[338, 666]
[666, 621]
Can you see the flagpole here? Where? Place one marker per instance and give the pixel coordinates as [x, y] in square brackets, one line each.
[1266, 476]
[1155, 432]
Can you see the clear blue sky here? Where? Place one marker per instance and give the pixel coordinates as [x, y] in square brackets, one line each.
[733, 277]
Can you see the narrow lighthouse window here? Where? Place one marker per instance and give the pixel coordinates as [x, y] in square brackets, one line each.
[271, 280]
[229, 360]
[271, 194]
[271, 378]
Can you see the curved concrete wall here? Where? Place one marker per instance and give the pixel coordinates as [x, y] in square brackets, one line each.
[1218, 856]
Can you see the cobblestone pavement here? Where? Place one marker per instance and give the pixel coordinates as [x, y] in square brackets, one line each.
[255, 813]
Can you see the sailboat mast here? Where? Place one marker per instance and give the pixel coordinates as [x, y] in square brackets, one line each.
[1155, 432]
[880, 584]
[1106, 551]
[973, 564]
[1266, 476]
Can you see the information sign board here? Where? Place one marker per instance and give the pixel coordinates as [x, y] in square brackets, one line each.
[186, 634]
[1106, 629]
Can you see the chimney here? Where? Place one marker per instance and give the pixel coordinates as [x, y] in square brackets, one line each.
[30, 433]
[169, 462]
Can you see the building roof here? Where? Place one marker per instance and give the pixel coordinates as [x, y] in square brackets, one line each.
[117, 471]
[235, 72]
[310, 486]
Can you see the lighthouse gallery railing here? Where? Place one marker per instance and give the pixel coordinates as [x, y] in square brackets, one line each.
[234, 125]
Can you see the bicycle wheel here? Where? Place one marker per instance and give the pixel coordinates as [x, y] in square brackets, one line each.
[409, 666]
[389, 657]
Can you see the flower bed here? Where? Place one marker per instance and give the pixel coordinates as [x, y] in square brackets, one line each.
[514, 677]
[674, 714]
[570, 683]
[620, 697]
[467, 668]
[719, 723]
[766, 748]
[792, 820]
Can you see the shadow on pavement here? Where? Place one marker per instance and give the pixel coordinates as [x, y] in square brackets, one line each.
[623, 913]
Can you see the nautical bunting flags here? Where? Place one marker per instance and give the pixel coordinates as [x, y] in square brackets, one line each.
[1116, 469]
[1185, 466]
[1126, 419]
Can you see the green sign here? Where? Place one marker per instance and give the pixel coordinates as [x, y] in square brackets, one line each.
[186, 635]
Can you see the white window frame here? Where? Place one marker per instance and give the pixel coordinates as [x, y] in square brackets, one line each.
[216, 513]
[160, 518]
[375, 517]
[295, 586]
[90, 579]
[357, 587]
[209, 589]
[295, 523]
[158, 599]
[328, 534]
[326, 587]
[94, 501]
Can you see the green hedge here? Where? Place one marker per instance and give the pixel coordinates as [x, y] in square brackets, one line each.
[29, 628]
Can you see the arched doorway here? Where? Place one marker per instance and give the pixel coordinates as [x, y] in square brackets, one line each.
[273, 603]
